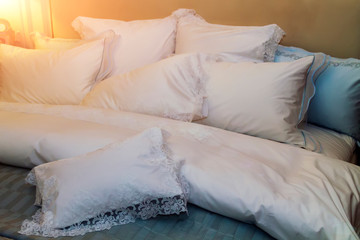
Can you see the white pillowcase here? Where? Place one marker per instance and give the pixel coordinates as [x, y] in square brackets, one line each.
[112, 40]
[172, 88]
[143, 41]
[41, 41]
[137, 178]
[62, 76]
[194, 34]
[259, 99]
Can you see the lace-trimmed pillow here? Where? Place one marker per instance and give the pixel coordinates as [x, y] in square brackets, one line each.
[137, 178]
[194, 34]
[172, 88]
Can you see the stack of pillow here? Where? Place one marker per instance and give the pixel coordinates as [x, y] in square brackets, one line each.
[185, 68]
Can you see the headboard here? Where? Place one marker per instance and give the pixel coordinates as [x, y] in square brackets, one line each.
[329, 26]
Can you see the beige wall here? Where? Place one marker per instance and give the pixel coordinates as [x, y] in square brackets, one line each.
[330, 26]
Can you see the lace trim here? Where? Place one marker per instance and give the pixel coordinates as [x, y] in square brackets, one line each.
[271, 45]
[173, 166]
[184, 15]
[341, 63]
[184, 117]
[197, 132]
[40, 225]
[164, 157]
[198, 70]
[288, 55]
[197, 85]
[31, 178]
[185, 187]
[79, 27]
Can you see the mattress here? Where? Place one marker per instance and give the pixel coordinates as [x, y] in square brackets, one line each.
[16, 205]
[333, 144]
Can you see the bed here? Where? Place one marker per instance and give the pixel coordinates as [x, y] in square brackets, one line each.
[203, 131]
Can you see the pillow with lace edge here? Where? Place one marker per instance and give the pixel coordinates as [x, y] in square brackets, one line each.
[172, 88]
[194, 34]
[121, 182]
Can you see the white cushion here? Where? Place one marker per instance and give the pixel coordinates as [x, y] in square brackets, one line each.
[194, 34]
[259, 99]
[40, 41]
[173, 88]
[143, 41]
[137, 178]
[60, 76]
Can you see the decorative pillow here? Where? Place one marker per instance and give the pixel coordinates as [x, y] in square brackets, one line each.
[259, 99]
[194, 34]
[143, 41]
[173, 88]
[41, 41]
[320, 63]
[52, 76]
[137, 178]
[336, 104]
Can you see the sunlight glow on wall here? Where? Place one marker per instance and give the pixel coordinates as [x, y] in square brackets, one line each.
[26, 16]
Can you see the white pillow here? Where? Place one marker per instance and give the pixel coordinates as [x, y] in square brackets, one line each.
[137, 178]
[61, 76]
[194, 34]
[143, 41]
[259, 99]
[112, 40]
[41, 41]
[173, 88]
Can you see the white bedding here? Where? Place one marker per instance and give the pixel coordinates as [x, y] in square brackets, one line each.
[289, 192]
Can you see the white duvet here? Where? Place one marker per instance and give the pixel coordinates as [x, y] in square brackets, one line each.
[289, 192]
